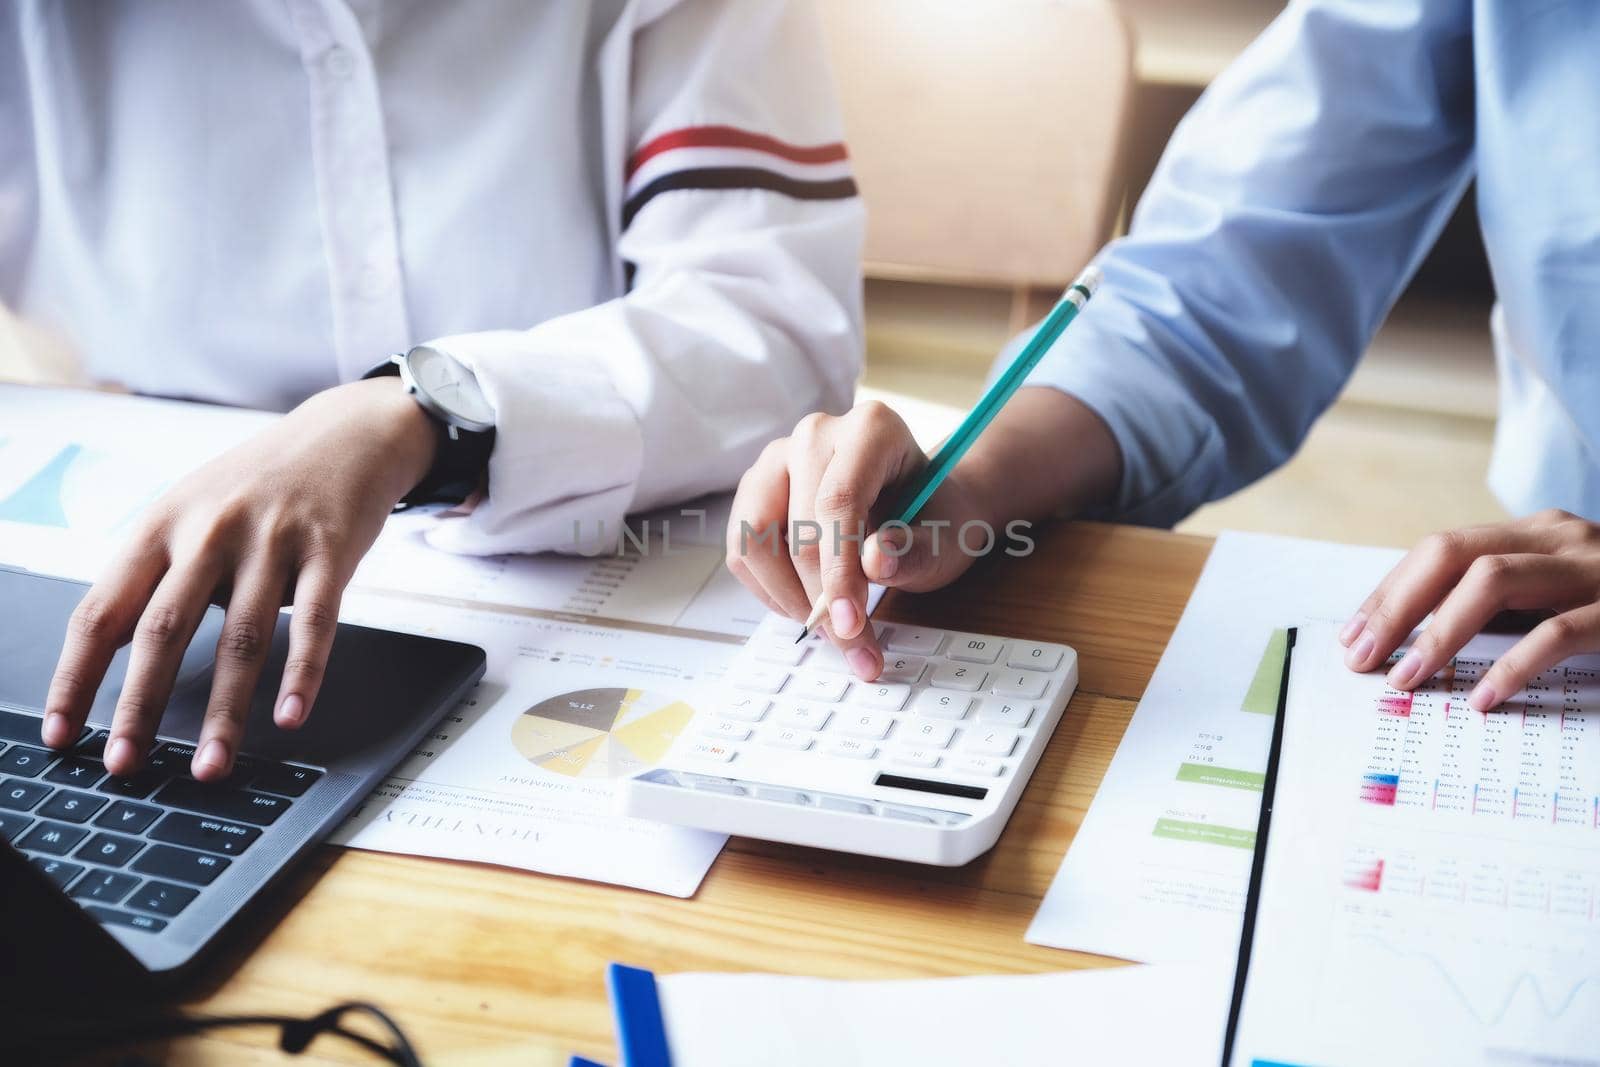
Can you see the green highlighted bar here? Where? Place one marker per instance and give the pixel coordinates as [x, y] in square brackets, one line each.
[1262, 696]
[1205, 833]
[1226, 776]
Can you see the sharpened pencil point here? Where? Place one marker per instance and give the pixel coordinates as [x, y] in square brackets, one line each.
[805, 632]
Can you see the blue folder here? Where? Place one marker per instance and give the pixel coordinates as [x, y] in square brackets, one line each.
[641, 1032]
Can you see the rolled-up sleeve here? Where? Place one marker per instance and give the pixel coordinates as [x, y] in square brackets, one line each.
[742, 231]
[1290, 209]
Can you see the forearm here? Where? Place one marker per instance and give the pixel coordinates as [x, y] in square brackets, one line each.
[1045, 453]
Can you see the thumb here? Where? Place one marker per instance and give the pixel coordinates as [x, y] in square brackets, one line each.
[928, 554]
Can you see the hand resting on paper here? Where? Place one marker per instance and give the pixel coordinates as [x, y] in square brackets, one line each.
[1549, 561]
[283, 518]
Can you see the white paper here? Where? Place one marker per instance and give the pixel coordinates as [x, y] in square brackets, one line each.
[523, 772]
[1122, 890]
[1167, 1014]
[1432, 877]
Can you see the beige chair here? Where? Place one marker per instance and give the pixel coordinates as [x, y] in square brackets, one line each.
[985, 135]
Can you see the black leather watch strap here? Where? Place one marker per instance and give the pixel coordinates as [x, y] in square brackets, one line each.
[460, 461]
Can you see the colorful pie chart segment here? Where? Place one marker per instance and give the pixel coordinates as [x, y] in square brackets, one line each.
[600, 733]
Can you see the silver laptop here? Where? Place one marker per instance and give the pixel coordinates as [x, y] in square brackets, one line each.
[127, 881]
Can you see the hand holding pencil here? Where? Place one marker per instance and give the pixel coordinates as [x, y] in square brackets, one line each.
[795, 535]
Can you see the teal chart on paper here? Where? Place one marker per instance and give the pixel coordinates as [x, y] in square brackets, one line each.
[73, 488]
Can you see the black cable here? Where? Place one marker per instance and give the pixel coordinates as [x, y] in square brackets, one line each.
[296, 1034]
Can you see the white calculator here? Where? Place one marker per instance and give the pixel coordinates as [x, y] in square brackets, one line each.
[925, 764]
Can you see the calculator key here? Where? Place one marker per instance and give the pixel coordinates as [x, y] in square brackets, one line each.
[789, 654]
[805, 716]
[80, 771]
[778, 630]
[923, 733]
[12, 824]
[936, 705]
[1026, 657]
[868, 724]
[718, 785]
[128, 817]
[163, 898]
[206, 834]
[787, 737]
[1024, 684]
[58, 871]
[783, 796]
[884, 696]
[712, 752]
[180, 864]
[828, 658]
[116, 917]
[821, 687]
[52, 838]
[974, 649]
[746, 709]
[760, 679]
[1005, 713]
[917, 639]
[854, 807]
[991, 742]
[978, 766]
[958, 676]
[850, 748]
[110, 850]
[725, 730]
[105, 887]
[24, 761]
[889, 811]
[69, 805]
[905, 669]
[916, 757]
[285, 779]
[17, 795]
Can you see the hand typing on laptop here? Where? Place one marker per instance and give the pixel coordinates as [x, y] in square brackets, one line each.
[284, 517]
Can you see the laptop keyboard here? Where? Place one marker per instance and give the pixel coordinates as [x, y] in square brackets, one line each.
[133, 851]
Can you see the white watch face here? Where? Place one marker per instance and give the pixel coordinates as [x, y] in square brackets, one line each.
[447, 382]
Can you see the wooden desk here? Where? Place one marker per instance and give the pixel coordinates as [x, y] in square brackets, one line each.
[482, 965]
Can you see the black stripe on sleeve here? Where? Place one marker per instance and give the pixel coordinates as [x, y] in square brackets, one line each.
[737, 178]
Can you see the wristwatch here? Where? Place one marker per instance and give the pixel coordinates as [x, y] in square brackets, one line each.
[463, 420]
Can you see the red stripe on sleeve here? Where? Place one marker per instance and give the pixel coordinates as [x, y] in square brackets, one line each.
[733, 137]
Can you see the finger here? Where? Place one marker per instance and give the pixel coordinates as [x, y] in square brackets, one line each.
[869, 457]
[810, 450]
[101, 624]
[925, 555]
[160, 639]
[1546, 645]
[312, 625]
[741, 571]
[1491, 584]
[1419, 581]
[241, 652]
[756, 534]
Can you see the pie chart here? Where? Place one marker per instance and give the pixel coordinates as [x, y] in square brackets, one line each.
[600, 733]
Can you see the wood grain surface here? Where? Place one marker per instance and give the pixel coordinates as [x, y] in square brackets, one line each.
[485, 966]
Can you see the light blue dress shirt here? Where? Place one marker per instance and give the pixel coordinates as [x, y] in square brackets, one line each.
[1294, 203]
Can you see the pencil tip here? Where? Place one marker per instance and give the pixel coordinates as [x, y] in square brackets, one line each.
[805, 632]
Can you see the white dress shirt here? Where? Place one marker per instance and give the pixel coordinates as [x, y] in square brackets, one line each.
[633, 218]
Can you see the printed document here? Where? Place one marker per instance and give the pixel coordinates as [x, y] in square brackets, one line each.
[1159, 868]
[1431, 890]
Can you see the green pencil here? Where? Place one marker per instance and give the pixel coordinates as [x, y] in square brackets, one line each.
[944, 461]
